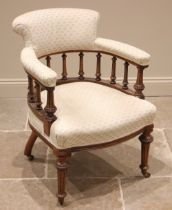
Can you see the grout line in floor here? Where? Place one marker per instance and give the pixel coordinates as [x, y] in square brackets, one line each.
[159, 177]
[162, 128]
[46, 164]
[165, 137]
[116, 178]
[121, 193]
[11, 131]
[25, 129]
[158, 129]
[26, 124]
[21, 179]
[151, 177]
[42, 178]
[13, 98]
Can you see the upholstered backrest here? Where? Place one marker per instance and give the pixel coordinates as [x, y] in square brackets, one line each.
[54, 30]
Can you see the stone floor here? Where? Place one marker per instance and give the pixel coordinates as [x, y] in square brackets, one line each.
[107, 179]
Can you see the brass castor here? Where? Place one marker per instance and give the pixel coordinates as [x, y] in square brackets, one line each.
[144, 171]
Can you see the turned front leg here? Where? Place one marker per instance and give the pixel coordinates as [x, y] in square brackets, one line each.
[62, 166]
[145, 139]
[139, 86]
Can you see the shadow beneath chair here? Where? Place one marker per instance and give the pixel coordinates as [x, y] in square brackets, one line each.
[89, 165]
[35, 168]
[91, 174]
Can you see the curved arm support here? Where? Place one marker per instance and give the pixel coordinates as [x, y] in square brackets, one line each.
[123, 51]
[45, 75]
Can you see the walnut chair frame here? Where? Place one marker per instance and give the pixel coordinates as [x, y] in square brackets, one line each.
[47, 114]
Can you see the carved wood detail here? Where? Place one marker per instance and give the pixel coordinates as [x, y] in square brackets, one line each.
[139, 86]
[61, 173]
[81, 71]
[98, 68]
[31, 97]
[48, 59]
[113, 72]
[38, 102]
[146, 138]
[49, 109]
[64, 72]
[125, 80]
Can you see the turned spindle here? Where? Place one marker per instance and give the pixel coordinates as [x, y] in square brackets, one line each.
[139, 86]
[125, 80]
[64, 72]
[81, 71]
[98, 68]
[48, 59]
[31, 97]
[49, 109]
[38, 102]
[113, 72]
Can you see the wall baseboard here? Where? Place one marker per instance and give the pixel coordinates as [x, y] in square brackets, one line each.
[14, 88]
[155, 86]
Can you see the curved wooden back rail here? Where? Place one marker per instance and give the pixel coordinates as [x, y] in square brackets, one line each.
[47, 116]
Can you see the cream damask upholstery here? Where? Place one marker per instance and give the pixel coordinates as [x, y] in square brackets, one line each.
[123, 50]
[90, 113]
[80, 121]
[37, 69]
[53, 30]
[80, 113]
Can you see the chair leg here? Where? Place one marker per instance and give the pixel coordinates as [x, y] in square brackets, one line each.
[145, 139]
[29, 145]
[62, 166]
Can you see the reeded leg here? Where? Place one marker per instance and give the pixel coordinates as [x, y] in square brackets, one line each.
[145, 139]
[29, 145]
[61, 173]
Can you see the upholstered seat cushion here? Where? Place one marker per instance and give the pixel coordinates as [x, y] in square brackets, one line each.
[89, 113]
